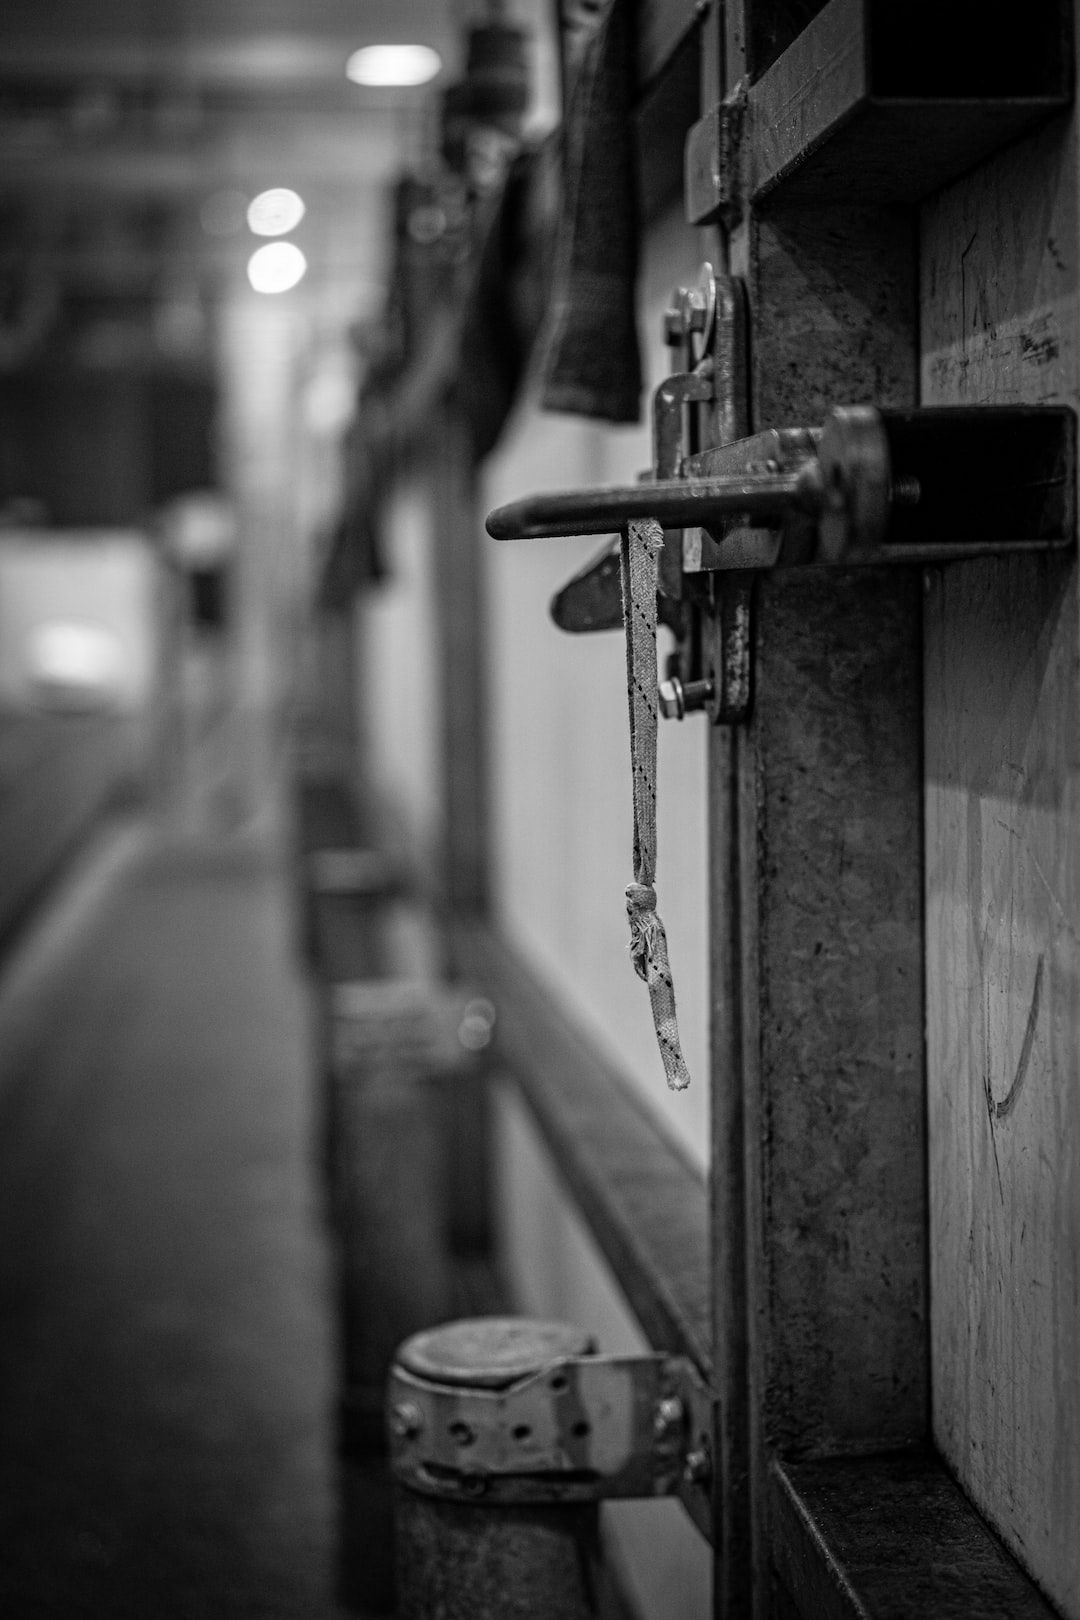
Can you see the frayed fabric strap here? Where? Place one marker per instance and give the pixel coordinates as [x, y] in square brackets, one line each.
[642, 543]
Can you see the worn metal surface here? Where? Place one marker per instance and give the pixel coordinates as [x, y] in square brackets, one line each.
[592, 598]
[890, 1537]
[673, 503]
[711, 171]
[459, 1555]
[459, 1562]
[870, 486]
[834, 857]
[645, 1204]
[818, 1086]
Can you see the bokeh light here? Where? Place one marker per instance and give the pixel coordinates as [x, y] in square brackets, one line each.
[274, 212]
[276, 267]
[393, 65]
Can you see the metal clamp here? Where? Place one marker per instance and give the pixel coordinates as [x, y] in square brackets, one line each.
[582, 1429]
[413, 1028]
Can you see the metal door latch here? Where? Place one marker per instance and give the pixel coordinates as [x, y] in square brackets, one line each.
[583, 1428]
[868, 487]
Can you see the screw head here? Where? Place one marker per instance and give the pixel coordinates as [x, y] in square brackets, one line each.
[668, 1415]
[406, 1420]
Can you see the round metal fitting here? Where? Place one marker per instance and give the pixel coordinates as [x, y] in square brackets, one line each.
[490, 1352]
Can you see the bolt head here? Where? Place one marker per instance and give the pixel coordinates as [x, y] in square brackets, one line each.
[406, 1420]
[674, 330]
[696, 310]
[669, 1414]
[669, 695]
[697, 1469]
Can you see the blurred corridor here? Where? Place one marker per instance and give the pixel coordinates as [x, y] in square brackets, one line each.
[478, 477]
[166, 1365]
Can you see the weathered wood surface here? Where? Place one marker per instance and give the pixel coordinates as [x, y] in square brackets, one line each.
[999, 315]
[854, 110]
[889, 1538]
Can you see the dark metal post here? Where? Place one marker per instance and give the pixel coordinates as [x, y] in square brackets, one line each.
[464, 1551]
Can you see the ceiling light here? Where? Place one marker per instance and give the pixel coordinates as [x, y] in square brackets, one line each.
[274, 212]
[393, 65]
[276, 267]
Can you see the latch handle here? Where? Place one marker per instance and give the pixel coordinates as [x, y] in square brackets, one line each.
[674, 503]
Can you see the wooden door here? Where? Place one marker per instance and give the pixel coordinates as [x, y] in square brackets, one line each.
[896, 873]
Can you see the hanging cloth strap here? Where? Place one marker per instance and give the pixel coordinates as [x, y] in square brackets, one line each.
[642, 543]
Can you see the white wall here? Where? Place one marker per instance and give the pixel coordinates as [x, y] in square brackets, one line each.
[559, 1272]
[105, 579]
[560, 746]
[397, 662]
[562, 821]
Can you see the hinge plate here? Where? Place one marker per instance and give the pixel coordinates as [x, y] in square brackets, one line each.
[713, 161]
[583, 1429]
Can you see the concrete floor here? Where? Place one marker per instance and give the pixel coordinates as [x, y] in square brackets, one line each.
[166, 1337]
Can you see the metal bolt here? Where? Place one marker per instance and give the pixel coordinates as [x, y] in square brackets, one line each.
[406, 1420]
[677, 698]
[689, 314]
[697, 1469]
[674, 331]
[669, 1414]
[696, 310]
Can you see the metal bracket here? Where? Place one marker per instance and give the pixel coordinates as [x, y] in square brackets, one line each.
[713, 163]
[583, 1429]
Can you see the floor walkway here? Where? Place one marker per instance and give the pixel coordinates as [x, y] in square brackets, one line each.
[166, 1356]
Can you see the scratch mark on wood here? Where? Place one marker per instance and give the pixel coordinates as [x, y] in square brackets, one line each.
[963, 290]
[987, 1086]
[1004, 1108]
[1040, 350]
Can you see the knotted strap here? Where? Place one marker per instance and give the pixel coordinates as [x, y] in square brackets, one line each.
[642, 543]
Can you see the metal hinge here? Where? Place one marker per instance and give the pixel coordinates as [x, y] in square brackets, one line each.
[582, 1429]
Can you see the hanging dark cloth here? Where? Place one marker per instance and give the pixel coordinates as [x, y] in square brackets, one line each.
[506, 303]
[592, 363]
